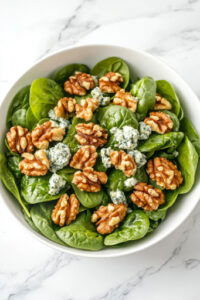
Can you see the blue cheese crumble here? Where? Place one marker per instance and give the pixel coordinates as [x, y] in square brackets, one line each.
[118, 197]
[125, 138]
[105, 157]
[145, 131]
[130, 182]
[97, 94]
[59, 157]
[56, 183]
[139, 158]
[61, 122]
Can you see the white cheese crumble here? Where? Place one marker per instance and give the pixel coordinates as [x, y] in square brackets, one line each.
[145, 131]
[105, 157]
[130, 182]
[61, 122]
[97, 94]
[56, 183]
[125, 138]
[118, 197]
[59, 156]
[139, 158]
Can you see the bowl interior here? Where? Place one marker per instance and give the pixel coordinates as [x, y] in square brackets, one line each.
[141, 64]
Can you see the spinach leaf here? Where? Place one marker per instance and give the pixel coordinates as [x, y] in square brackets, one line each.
[67, 174]
[90, 200]
[13, 164]
[29, 221]
[161, 141]
[145, 91]
[35, 189]
[189, 130]
[156, 215]
[170, 198]
[31, 120]
[81, 234]
[44, 94]
[134, 227]
[112, 64]
[41, 217]
[20, 101]
[116, 116]
[19, 117]
[174, 118]
[70, 137]
[188, 161]
[8, 180]
[166, 90]
[63, 74]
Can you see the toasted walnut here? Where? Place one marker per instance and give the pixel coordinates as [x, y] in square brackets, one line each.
[65, 210]
[162, 103]
[124, 162]
[45, 133]
[125, 99]
[85, 157]
[64, 107]
[34, 164]
[19, 140]
[159, 122]
[89, 180]
[110, 82]
[107, 218]
[91, 134]
[164, 172]
[147, 197]
[79, 84]
[86, 108]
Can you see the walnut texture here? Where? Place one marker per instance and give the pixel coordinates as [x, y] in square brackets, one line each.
[65, 210]
[45, 133]
[91, 134]
[164, 172]
[34, 164]
[89, 180]
[19, 140]
[147, 197]
[85, 157]
[86, 108]
[64, 107]
[110, 82]
[124, 162]
[162, 103]
[125, 99]
[79, 84]
[108, 218]
[159, 122]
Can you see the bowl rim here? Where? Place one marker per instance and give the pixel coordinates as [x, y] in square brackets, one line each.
[80, 252]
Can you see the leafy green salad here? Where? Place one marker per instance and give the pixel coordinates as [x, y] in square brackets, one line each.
[95, 158]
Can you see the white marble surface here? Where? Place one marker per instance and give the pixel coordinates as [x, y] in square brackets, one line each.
[30, 30]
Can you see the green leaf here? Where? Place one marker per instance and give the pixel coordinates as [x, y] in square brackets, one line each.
[161, 141]
[13, 164]
[145, 91]
[134, 227]
[67, 174]
[167, 91]
[90, 200]
[189, 130]
[170, 199]
[44, 95]
[116, 116]
[19, 117]
[156, 215]
[174, 118]
[63, 74]
[70, 137]
[81, 234]
[112, 64]
[31, 120]
[41, 217]
[8, 180]
[35, 189]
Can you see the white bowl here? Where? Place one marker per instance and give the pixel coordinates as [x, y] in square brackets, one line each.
[143, 64]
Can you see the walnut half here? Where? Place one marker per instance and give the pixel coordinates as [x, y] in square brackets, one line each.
[108, 218]
[19, 140]
[89, 180]
[79, 84]
[110, 82]
[159, 122]
[65, 210]
[147, 197]
[34, 164]
[124, 162]
[86, 108]
[85, 157]
[125, 99]
[64, 107]
[162, 103]
[91, 134]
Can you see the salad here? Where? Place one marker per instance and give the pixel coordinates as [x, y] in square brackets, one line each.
[96, 158]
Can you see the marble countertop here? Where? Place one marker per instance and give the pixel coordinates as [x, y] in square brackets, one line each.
[169, 29]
